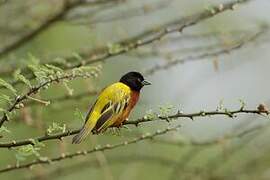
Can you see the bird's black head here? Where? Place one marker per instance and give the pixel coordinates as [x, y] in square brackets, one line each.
[134, 80]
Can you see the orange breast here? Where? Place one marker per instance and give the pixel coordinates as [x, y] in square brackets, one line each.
[134, 97]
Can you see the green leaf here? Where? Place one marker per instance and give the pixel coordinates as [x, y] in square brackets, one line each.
[150, 115]
[114, 48]
[79, 115]
[56, 128]
[8, 86]
[54, 68]
[28, 150]
[38, 72]
[165, 109]
[2, 110]
[4, 98]
[4, 129]
[33, 60]
[18, 76]
[77, 56]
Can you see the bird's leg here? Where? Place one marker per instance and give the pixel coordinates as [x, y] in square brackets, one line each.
[122, 123]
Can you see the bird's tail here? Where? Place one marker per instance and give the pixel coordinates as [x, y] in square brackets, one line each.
[87, 128]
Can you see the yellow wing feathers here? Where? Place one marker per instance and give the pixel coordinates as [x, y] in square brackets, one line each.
[107, 109]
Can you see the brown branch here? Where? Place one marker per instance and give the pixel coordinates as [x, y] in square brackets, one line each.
[66, 7]
[158, 49]
[222, 51]
[152, 35]
[147, 37]
[119, 159]
[60, 136]
[150, 71]
[143, 10]
[17, 102]
[85, 152]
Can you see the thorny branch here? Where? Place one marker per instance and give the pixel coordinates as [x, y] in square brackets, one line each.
[121, 159]
[60, 136]
[18, 100]
[121, 15]
[222, 51]
[150, 71]
[151, 35]
[96, 149]
[66, 7]
[146, 37]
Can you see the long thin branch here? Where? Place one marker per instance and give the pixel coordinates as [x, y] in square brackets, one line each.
[65, 98]
[222, 51]
[96, 149]
[150, 71]
[119, 159]
[211, 142]
[19, 99]
[148, 36]
[66, 7]
[152, 35]
[142, 10]
[60, 136]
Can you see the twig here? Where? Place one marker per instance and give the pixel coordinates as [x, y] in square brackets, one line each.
[85, 152]
[65, 98]
[59, 136]
[39, 101]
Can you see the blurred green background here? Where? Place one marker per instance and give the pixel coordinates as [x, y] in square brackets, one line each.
[190, 87]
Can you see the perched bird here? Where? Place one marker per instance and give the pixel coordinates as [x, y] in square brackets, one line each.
[113, 105]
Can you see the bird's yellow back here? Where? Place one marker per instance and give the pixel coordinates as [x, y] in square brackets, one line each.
[107, 109]
[111, 95]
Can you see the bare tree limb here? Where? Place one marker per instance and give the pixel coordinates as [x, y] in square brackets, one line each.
[62, 171]
[152, 35]
[146, 37]
[228, 113]
[86, 152]
[66, 7]
[222, 51]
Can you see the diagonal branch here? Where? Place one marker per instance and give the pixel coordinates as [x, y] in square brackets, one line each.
[152, 35]
[146, 37]
[17, 103]
[66, 7]
[222, 51]
[86, 152]
[60, 136]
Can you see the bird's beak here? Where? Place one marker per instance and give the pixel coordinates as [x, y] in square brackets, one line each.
[145, 83]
